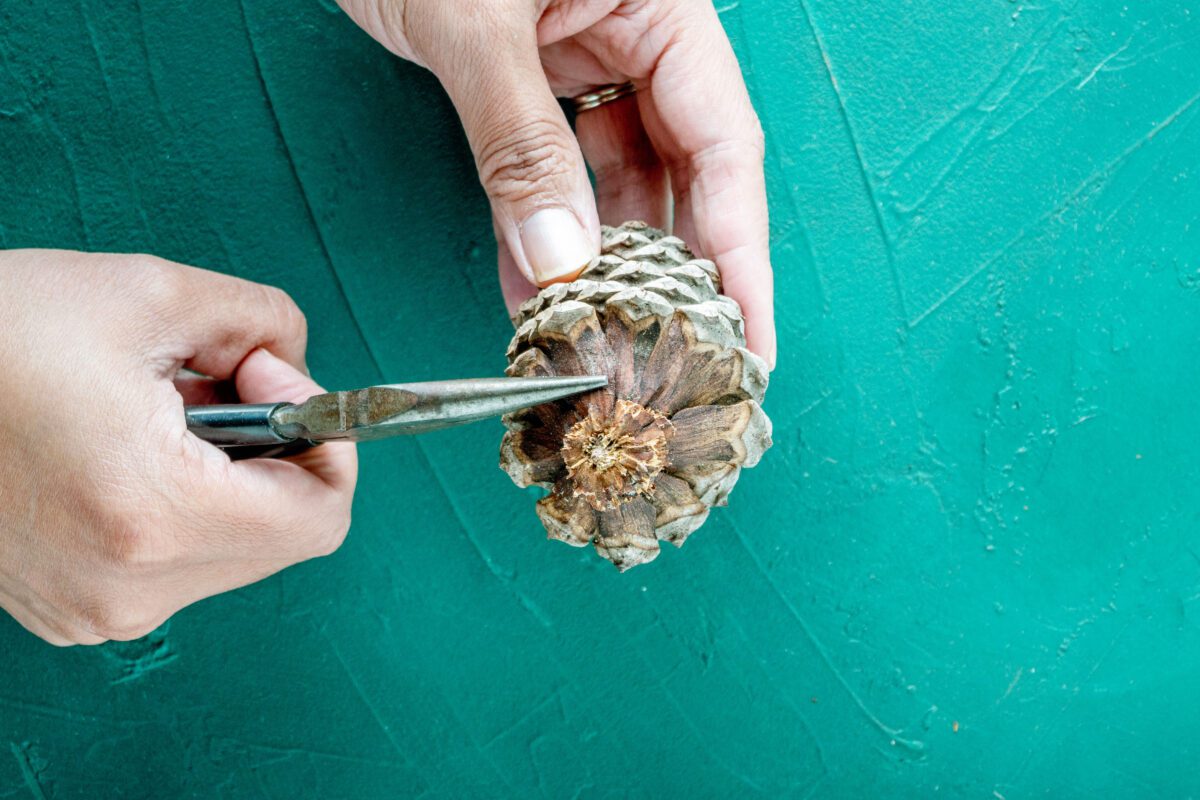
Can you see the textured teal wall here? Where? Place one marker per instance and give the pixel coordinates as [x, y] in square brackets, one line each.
[969, 568]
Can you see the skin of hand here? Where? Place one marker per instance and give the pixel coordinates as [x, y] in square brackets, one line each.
[112, 515]
[690, 134]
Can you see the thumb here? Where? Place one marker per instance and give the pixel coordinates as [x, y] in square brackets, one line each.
[528, 158]
[263, 377]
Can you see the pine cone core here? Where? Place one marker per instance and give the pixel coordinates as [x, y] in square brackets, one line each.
[614, 458]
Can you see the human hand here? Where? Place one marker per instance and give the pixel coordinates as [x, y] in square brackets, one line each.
[112, 515]
[691, 131]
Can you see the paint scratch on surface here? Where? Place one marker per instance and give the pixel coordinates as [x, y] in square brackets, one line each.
[825, 395]
[769, 679]
[291, 751]
[704, 738]
[895, 735]
[1012, 684]
[68, 151]
[152, 73]
[53, 712]
[1150, 173]
[999, 133]
[504, 577]
[136, 659]
[103, 68]
[991, 98]
[1146, 55]
[970, 276]
[860, 160]
[1036, 747]
[1092, 181]
[307, 202]
[27, 761]
[366, 701]
[519, 721]
[1103, 63]
[379, 720]
[100, 64]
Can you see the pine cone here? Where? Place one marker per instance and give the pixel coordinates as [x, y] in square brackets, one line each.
[644, 459]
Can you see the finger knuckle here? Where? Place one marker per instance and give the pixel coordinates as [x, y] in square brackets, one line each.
[445, 35]
[65, 636]
[116, 618]
[282, 302]
[159, 283]
[522, 162]
[134, 546]
[284, 309]
[731, 159]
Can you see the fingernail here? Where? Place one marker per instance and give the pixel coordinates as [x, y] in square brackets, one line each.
[556, 245]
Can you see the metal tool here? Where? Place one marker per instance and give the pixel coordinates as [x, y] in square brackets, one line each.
[265, 430]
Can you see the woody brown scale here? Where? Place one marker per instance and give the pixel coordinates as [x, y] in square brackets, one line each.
[643, 460]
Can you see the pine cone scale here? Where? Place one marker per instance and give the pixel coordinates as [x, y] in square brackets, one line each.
[626, 534]
[714, 433]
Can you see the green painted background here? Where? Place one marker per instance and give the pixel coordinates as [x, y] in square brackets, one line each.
[969, 568]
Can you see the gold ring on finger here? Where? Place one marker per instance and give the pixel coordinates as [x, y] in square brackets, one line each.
[601, 95]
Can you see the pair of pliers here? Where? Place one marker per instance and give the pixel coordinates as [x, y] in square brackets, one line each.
[273, 430]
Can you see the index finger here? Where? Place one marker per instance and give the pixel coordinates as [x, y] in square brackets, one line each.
[699, 117]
